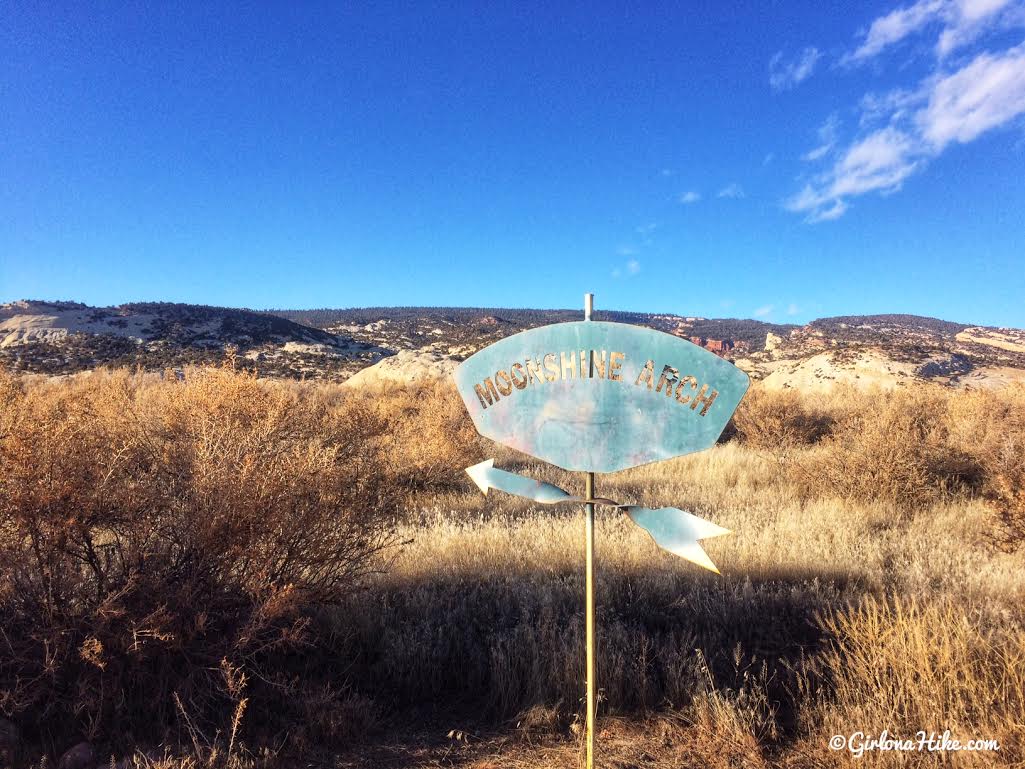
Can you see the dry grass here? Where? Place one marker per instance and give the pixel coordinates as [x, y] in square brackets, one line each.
[482, 609]
[428, 438]
[874, 579]
[166, 542]
[912, 664]
[778, 420]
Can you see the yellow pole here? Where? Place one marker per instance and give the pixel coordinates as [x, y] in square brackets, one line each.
[589, 579]
[589, 557]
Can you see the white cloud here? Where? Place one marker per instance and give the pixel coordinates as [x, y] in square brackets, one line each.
[909, 127]
[985, 94]
[793, 309]
[962, 22]
[785, 75]
[969, 20]
[889, 107]
[632, 265]
[764, 310]
[647, 232]
[667, 172]
[880, 161]
[838, 209]
[827, 134]
[769, 158]
[690, 197]
[732, 191]
[628, 270]
[895, 26]
[818, 153]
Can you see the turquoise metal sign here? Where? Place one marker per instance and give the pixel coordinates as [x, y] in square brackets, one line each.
[600, 397]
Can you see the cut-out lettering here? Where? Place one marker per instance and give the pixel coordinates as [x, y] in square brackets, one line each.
[647, 374]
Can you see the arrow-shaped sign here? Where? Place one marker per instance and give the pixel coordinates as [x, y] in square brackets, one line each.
[672, 529]
[677, 531]
[487, 476]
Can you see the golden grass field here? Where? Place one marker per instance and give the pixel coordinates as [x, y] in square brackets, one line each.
[294, 571]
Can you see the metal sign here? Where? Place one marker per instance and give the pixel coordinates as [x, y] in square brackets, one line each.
[600, 397]
[672, 529]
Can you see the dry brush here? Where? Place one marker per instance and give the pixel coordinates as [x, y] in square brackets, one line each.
[172, 549]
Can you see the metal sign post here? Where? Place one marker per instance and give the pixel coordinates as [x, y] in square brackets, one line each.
[594, 396]
[589, 582]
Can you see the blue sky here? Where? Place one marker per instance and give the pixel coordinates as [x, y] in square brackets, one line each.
[780, 161]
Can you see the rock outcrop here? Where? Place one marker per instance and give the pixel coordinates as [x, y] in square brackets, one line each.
[405, 367]
[772, 342]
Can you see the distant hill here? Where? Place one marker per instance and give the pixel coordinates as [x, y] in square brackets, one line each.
[884, 350]
[65, 337]
[467, 329]
[892, 350]
[883, 327]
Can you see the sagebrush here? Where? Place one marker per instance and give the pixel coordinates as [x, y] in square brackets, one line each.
[166, 541]
[217, 563]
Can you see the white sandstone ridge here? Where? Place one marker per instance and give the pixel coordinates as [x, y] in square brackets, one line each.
[26, 322]
[404, 367]
[823, 371]
[868, 369]
[1010, 339]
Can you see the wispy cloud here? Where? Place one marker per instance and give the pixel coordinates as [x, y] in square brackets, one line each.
[764, 310]
[784, 75]
[986, 93]
[732, 191]
[880, 161]
[793, 309]
[647, 233]
[690, 197]
[893, 105]
[960, 21]
[901, 130]
[628, 270]
[894, 27]
[827, 134]
[828, 214]
[632, 266]
[972, 19]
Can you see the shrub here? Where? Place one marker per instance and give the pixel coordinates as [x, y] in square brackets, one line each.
[778, 420]
[905, 448]
[168, 542]
[894, 449]
[430, 439]
[177, 553]
[990, 426]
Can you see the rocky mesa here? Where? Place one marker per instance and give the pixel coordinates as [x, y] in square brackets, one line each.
[373, 346]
